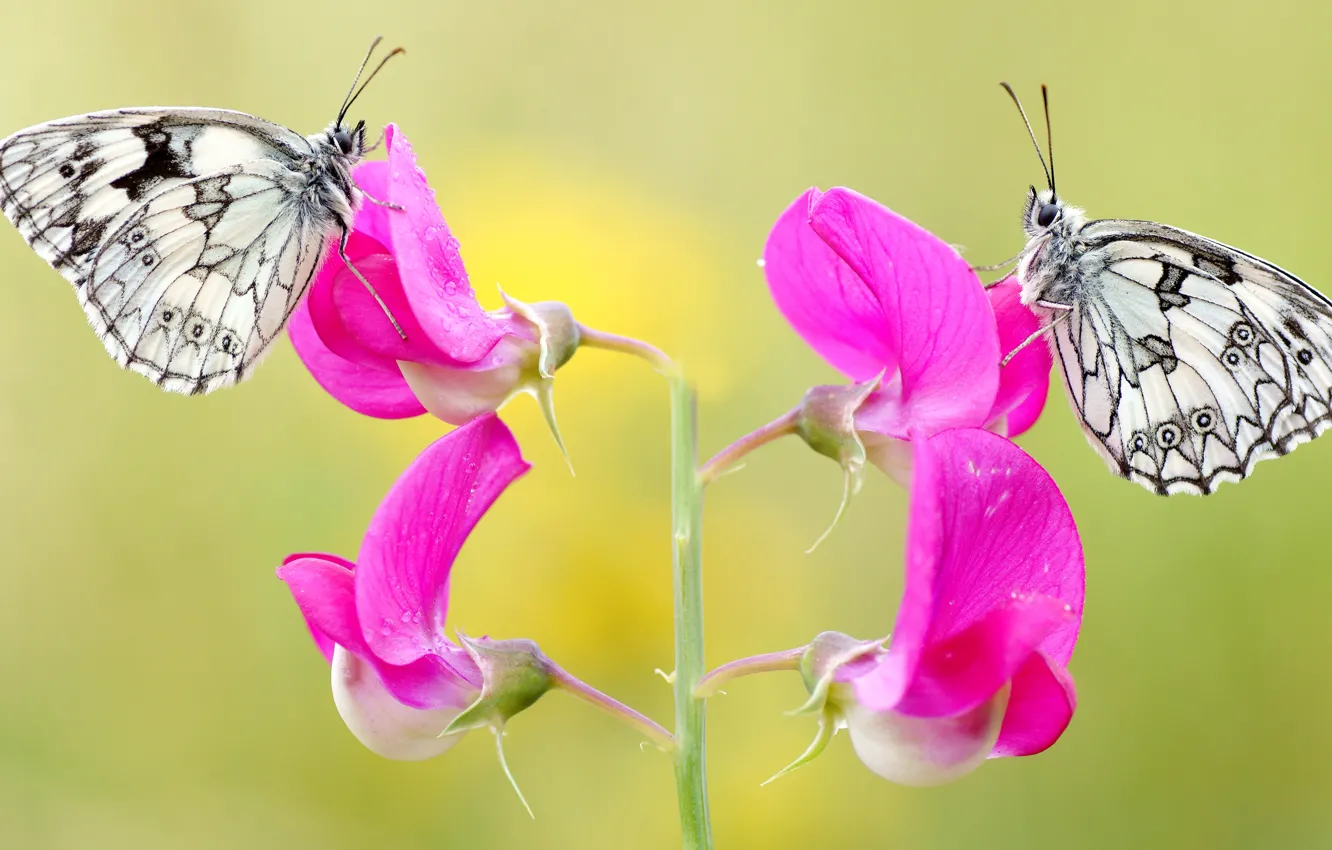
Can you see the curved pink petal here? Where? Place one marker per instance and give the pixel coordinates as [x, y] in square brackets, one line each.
[446, 678]
[1007, 533]
[403, 575]
[372, 219]
[988, 529]
[368, 390]
[1024, 382]
[965, 670]
[322, 585]
[433, 278]
[324, 308]
[1040, 707]
[822, 298]
[324, 589]
[363, 321]
[939, 323]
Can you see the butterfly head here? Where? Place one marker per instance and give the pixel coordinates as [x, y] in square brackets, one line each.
[349, 143]
[1045, 212]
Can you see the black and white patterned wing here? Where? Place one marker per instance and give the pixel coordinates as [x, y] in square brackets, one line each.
[1190, 361]
[192, 288]
[66, 184]
[198, 200]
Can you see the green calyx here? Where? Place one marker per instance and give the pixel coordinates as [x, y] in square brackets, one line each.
[826, 421]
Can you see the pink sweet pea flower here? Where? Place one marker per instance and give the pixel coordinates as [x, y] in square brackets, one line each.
[992, 605]
[397, 680]
[458, 361]
[881, 299]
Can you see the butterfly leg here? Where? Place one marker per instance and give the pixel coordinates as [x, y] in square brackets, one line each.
[1040, 332]
[1003, 277]
[380, 203]
[376, 145]
[342, 252]
[997, 266]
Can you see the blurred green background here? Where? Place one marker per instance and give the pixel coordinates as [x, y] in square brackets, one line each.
[157, 688]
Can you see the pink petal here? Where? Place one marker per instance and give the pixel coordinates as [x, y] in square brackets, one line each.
[1040, 707]
[322, 587]
[372, 219]
[324, 590]
[822, 298]
[1007, 531]
[967, 669]
[988, 529]
[323, 306]
[378, 392]
[939, 323]
[344, 304]
[403, 576]
[1025, 381]
[430, 264]
[445, 678]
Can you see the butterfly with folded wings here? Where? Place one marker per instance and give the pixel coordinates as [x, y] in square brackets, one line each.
[189, 234]
[1187, 361]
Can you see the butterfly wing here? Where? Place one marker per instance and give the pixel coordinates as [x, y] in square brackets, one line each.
[192, 288]
[176, 213]
[1189, 361]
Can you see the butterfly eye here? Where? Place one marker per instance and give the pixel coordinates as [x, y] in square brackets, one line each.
[343, 140]
[1305, 356]
[1242, 333]
[1140, 442]
[1231, 357]
[1047, 215]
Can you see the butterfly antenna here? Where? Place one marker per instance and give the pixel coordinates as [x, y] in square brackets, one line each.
[1049, 178]
[1049, 140]
[382, 63]
[346, 101]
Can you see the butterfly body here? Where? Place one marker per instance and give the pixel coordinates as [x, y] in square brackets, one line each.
[1188, 361]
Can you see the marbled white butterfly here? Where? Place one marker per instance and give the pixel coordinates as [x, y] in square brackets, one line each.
[1187, 360]
[189, 234]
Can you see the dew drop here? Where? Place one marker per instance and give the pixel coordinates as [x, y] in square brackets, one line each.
[406, 616]
[761, 262]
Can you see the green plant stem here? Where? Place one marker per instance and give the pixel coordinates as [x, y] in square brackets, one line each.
[635, 720]
[711, 684]
[593, 338]
[691, 784]
[729, 456]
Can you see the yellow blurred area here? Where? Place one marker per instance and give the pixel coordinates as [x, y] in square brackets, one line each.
[157, 688]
